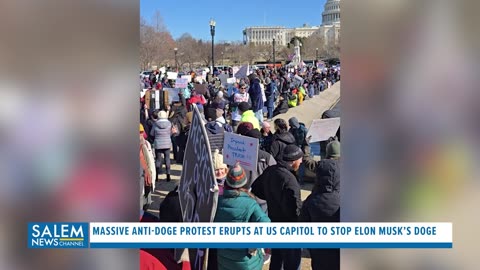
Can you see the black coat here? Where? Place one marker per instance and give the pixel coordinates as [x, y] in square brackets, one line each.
[280, 141]
[279, 187]
[323, 205]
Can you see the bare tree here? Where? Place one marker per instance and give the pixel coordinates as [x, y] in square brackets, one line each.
[156, 43]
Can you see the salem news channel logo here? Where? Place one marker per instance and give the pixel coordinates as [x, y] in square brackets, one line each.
[58, 235]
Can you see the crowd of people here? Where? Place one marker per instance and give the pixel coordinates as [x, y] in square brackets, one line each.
[271, 193]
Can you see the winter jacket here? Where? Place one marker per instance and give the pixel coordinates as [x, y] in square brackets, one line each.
[292, 100]
[239, 207]
[162, 130]
[281, 108]
[265, 160]
[300, 134]
[280, 141]
[255, 93]
[323, 204]
[279, 187]
[249, 116]
[170, 210]
[215, 133]
[266, 141]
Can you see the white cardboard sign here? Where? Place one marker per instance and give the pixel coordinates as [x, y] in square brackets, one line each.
[322, 129]
[242, 149]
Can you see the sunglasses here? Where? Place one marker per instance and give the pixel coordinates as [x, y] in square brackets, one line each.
[243, 88]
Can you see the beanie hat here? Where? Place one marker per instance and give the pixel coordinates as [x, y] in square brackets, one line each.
[211, 113]
[236, 177]
[292, 153]
[141, 128]
[254, 133]
[218, 161]
[162, 115]
[333, 149]
[244, 106]
[244, 127]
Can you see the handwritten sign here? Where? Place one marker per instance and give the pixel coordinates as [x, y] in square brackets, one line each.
[200, 88]
[172, 94]
[242, 72]
[322, 129]
[237, 148]
[188, 77]
[172, 75]
[181, 83]
[231, 80]
[198, 189]
[223, 78]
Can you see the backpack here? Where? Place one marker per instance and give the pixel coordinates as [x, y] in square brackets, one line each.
[300, 135]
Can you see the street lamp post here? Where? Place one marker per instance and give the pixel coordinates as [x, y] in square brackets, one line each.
[212, 32]
[316, 56]
[176, 63]
[274, 63]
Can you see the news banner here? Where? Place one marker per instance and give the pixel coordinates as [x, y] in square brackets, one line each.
[240, 235]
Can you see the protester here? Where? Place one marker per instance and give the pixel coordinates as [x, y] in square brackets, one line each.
[162, 132]
[215, 130]
[221, 170]
[323, 204]
[244, 128]
[267, 137]
[279, 187]
[282, 106]
[238, 205]
[147, 163]
[219, 102]
[241, 96]
[281, 139]
[248, 115]
[255, 93]
[270, 95]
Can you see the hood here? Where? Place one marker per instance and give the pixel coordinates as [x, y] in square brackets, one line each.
[285, 137]
[293, 122]
[221, 120]
[213, 127]
[162, 123]
[328, 176]
[248, 113]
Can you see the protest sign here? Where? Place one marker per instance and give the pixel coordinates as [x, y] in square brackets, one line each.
[223, 78]
[200, 88]
[172, 75]
[172, 94]
[181, 83]
[322, 129]
[188, 77]
[198, 189]
[231, 80]
[237, 148]
[242, 72]
[235, 70]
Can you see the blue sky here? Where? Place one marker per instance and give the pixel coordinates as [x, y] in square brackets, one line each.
[231, 16]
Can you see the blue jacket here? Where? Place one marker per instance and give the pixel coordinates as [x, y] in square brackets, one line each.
[162, 130]
[239, 207]
[255, 93]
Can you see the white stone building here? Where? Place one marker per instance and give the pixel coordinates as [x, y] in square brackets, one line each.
[329, 29]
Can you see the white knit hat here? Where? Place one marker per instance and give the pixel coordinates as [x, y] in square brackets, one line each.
[162, 115]
[218, 161]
